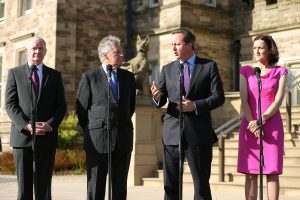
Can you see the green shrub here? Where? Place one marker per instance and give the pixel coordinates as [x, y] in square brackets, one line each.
[69, 133]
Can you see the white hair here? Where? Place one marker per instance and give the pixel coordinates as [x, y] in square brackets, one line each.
[105, 45]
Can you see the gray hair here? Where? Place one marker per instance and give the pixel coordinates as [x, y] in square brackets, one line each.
[106, 44]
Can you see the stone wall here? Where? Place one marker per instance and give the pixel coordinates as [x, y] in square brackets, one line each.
[212, 27]
[280, 20]
[81, 26]
[15, 30]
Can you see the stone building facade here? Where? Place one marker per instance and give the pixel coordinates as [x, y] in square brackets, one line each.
[73, 28]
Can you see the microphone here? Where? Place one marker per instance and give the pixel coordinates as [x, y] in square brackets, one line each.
[109, 70]
[32, 68]
[180, 67]
[257, 71]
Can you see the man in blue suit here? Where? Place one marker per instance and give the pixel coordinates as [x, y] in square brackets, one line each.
[203, 92]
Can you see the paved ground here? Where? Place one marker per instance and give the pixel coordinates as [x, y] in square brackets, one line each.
[74, 188]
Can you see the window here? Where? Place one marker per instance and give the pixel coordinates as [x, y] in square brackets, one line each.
[212, 3]
[25, 6]
[22, 57]
[153, 3]
[154, 71]
[269, 2]
[2, 8]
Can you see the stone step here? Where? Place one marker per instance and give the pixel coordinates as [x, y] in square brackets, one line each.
[288, 143]
[233, 151]
[287, 160]
[285, 180]
[292, 190]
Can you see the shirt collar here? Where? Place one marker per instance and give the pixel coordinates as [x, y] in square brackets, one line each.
[191, 60]
[39, 67]
[104, 68]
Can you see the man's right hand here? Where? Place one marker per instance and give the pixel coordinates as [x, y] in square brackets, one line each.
[155, 92]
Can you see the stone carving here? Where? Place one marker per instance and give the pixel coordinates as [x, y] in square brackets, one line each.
[139, 66]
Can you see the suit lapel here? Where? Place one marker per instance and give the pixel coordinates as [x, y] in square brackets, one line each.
[27, 75]
[45, 79]
[196, 72]
[175, 73]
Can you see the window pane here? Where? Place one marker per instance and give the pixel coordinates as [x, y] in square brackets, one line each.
[154, 72]
[269, 2]
[28, 4]
[25, 5]
[22, 58]
[2, 6]
[153, 3]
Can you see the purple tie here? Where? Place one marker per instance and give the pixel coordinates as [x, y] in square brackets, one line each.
[36, 81]
[186, 77]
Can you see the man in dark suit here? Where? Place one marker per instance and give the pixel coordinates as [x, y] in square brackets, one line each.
[92, 110]
[50, 105]
[203, 91]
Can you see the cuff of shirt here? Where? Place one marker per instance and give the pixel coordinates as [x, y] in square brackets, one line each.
[196, 112]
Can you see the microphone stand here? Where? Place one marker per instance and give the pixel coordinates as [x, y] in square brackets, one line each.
[33, 120]
[261, 153]
[181, 132]
[109, 134]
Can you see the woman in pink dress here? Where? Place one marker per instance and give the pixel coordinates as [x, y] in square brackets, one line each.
[273, 83]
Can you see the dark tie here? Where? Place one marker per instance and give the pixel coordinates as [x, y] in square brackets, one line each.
[114, 85]
[186, 77]
[36, 81]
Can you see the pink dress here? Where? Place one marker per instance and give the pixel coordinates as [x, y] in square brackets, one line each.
[273, 138]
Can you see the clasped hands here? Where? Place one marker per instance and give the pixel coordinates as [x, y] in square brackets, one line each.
[41, 128]
[187, 105]
[253, 128]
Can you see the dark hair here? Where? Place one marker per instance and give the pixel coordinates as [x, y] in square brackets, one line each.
[189, 37]
[272, 47]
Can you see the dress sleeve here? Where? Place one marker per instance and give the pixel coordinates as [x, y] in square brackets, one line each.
[244, 71]
[283, 71]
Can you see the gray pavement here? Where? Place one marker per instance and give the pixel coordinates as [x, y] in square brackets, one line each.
[74, 188]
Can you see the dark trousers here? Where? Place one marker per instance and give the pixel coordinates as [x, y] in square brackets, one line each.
[199, 161]
[23, 158]
[97, 169]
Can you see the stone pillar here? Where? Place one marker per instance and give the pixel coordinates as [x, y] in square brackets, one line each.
[147, 146]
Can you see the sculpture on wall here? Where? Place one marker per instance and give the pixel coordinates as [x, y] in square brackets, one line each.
[139, 66]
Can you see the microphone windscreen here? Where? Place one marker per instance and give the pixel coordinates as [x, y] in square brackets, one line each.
[108, 67]
[32, 67]
[256, 70]
[180, 66]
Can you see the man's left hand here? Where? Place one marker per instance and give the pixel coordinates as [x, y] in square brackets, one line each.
[187, 105]
[42, 128]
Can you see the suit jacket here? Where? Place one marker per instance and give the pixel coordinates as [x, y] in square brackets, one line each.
[92, 110]
[206, 90]
[51, 105]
